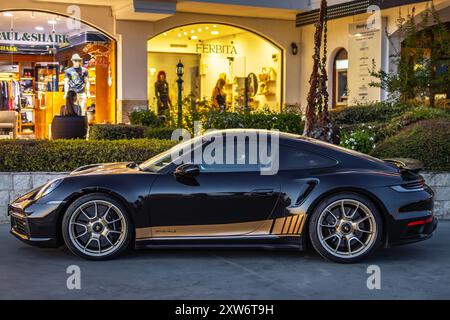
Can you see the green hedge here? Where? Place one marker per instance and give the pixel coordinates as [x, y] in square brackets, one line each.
[374, 112]
[426, 140]
[381, 130]
[286, 122]
[125, 131]
[158, 133]
[116, 132]
[145, 117]
[66, 155]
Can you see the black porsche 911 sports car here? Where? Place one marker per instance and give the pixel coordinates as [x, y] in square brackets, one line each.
[345, 204]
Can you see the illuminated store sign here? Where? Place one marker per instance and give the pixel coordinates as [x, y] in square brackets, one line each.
[215, 48]
[4, 48]
[33, 38]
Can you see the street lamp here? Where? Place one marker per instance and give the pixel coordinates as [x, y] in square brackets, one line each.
[180, 72]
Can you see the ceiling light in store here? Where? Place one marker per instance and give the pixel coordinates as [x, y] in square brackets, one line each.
[39, 28]
[206, 27]
[194, 37]
[165, 34]
[185, 33]
[179, 35]
[199, 29]
[53, 22]
[214, 32]
[192, 31]
[7, 14]
[214, 26]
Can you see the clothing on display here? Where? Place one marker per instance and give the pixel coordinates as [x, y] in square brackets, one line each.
[10, 95]
[162, 94]
[77, 78]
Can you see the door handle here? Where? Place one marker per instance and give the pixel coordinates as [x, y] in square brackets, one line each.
[262, 192]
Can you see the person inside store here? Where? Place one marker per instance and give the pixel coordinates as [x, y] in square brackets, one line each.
[77, 80]
[71, 108]
[162, 94]
[219, 96]
[71, 124]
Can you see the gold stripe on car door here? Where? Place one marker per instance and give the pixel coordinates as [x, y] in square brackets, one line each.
[290, 225]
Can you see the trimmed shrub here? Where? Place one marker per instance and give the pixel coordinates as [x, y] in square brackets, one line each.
[67, 155]
[374, 112]
[409, 117]
[390, 127]
[287, 122]
[158, 133]
[144, 117]
[426, 141]
[116, 132]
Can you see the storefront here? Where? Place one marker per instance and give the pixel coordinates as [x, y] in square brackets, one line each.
[363, 35]
[261, 55]
[219, 59]
[43, 56]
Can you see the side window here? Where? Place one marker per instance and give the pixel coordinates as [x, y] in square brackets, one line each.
[295, 158]
[228, 156]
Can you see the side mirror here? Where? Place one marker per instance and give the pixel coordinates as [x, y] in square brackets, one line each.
[187, 170]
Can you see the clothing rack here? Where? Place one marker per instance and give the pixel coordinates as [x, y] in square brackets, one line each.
[10, 91]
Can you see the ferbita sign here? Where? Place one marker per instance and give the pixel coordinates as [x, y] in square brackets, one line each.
[17, 37]
[215, 48]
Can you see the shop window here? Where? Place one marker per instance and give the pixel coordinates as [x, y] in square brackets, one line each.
[225, 67]
[340, 75]
[42, 57]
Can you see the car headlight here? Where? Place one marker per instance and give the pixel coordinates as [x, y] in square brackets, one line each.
[48, 187]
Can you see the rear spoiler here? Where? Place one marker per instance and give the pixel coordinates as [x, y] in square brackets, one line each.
[406, 165]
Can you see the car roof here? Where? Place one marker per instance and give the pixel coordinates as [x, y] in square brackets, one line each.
[340, 153]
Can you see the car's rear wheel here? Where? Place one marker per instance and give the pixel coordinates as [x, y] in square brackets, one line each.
[345, 227]
[96, 227]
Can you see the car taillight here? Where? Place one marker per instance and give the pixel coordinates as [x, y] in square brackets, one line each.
[419, 222]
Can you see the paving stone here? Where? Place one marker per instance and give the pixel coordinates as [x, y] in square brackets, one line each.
[3, 214]
[5, 181]
[442, 193]
[4, 198]
[22, 181]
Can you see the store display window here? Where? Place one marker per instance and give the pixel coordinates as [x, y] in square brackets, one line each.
[43, 56]
[232, 68]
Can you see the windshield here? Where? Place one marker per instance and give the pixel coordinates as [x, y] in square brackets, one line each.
[162, 160]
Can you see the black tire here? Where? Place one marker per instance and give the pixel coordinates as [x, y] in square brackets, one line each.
[336, 236]
[91, 205]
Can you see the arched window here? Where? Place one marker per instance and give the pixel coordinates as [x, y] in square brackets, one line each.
[248, 66]
[43, 56]
[340, 70]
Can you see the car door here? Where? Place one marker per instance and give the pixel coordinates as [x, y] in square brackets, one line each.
[223, 200]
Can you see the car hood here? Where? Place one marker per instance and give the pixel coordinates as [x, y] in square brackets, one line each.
[106, 168]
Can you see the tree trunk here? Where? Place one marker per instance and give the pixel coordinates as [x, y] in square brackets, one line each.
[318, 124]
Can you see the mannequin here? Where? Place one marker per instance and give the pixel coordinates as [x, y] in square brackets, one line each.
[162, 94]
[77, 79]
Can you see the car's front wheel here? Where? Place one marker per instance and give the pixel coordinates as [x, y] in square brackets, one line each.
[96, 227]
[345, 227]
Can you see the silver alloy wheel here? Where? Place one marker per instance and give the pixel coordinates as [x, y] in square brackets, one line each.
[347, 228]
[97, 228]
